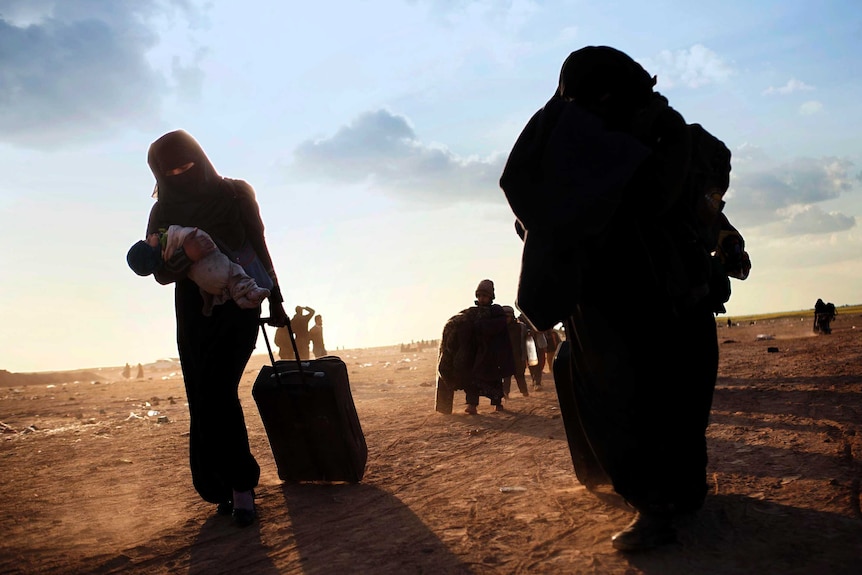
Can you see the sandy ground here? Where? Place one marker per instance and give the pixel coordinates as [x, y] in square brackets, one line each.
[95, 477]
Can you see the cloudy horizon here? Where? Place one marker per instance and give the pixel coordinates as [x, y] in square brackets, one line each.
[374, 135]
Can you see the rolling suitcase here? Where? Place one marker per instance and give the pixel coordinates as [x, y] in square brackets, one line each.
[310, 419]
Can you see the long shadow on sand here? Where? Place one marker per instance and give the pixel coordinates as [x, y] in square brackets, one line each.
[736, 534]
[356, 528]
[222, 547]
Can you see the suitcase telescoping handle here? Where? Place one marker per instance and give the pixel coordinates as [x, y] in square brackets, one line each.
[263, 321]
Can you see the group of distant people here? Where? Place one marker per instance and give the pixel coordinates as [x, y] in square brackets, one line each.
[420, 345]
[127, 371]
[303, 336]
[532, 350]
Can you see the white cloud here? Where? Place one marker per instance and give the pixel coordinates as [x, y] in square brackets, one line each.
[75, 69]
[811, 107]
[785, 196]
[792, 85]
[747, 154]
[698, 66]
[382, 148]
[810, 219]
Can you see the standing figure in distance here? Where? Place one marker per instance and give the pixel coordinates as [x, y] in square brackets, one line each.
[316, 336]
[492, 361]
[299, 324]
[283, 342]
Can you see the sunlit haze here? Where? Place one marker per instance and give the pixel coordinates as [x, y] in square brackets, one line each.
[374, 134]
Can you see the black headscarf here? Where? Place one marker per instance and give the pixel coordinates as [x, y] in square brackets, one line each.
[198, 197]
[606, 82]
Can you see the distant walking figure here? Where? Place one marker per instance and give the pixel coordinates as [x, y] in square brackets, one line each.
[824, 313]
[475, 354]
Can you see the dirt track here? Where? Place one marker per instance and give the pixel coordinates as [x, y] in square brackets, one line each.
[97, 485]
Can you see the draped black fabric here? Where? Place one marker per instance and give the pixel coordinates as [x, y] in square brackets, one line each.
[606, 82]
[214, 351]
[197, 197]
[568, 170]
[595, 180]
[636, 401]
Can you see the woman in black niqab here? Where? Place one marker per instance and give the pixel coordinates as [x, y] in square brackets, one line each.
[194, 194]
[213, 350]
[635, 396]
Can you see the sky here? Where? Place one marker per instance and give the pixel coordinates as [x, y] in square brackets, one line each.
[374, 134]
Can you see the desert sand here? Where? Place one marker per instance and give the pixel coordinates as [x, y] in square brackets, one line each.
[95, 476]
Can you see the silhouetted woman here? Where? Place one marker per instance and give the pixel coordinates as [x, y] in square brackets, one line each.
[213, 350]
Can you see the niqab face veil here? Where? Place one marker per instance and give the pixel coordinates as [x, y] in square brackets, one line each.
[171, 151]
[197, 197]
[606, 82]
